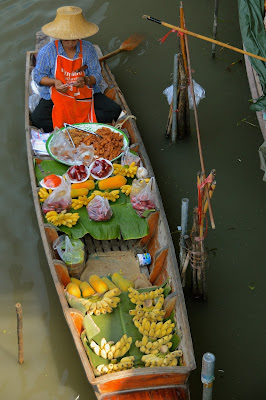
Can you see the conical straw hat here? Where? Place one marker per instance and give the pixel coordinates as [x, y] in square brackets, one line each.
[70, 24]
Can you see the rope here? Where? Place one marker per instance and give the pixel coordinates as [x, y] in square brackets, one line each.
[120, 124]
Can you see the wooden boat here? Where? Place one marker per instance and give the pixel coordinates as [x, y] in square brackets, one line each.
[142, 383]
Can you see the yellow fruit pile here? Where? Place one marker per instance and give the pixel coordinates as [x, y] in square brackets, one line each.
[111, 350]
[148, 318]
[126, 189]
[44, 193]
[114, 366]
[63, 218]
[162, 360]
[80, 202]
[84, 200]
[125, 170]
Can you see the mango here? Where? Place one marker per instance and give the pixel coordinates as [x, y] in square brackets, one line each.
[86, 289]
[121, 282]
[76, 281]
[73, 289]
[98, 284]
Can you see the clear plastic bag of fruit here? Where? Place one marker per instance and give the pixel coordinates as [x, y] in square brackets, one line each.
[99, 209]
[60, 199]
[72, 252]
[137, 186]
[145, 200]
[128, 158]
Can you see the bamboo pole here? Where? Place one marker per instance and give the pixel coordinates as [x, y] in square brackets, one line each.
[198, 132]
[203, 37]
[182, 40]
[20, 333]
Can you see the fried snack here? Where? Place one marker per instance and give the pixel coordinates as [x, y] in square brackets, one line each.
[108, 147]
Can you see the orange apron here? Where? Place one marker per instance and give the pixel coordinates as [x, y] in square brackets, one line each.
[76, 105]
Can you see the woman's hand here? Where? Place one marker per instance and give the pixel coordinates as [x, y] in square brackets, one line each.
[80, 82]
[60, 87]
[85, 80]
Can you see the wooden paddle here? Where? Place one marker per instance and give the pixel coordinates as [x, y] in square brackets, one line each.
[176, 28]
[130, 44]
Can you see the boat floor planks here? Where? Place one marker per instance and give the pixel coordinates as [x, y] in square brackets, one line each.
[140, 383]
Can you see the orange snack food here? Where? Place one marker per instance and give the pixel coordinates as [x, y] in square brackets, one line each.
[52, 181]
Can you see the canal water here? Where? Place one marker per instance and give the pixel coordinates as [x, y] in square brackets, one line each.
[231, 323]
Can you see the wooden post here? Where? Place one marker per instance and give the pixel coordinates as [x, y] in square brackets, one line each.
[20, 333]
[181, 115]
[215, 21]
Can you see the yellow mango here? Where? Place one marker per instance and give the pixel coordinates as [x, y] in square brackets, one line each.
[86, 289]
[76, 281]
[98, 284]
[79, 192]
[109, 283]
[121, 282]
[73, 289]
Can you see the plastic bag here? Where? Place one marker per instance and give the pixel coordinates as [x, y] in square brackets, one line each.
[137, 186]
[85, 154]
[60, 199]
[99, 209]
[145, 201]
[72, 252]
[199, 93]
[62, 148]
[128, 158]
[35, 96]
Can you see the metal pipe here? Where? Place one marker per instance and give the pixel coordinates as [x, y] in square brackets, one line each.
[215, 21]
[184, 223]
[174, 107]
[207, 375]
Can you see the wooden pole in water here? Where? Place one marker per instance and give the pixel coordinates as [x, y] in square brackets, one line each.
[20, 333]
[215, 21]
[174, 103]
[198, 132]
[182, 40]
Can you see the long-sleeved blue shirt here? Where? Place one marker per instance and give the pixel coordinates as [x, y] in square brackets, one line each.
[46, 60]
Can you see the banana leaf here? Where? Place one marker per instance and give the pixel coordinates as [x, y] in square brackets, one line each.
[113, 326]
[124, 223]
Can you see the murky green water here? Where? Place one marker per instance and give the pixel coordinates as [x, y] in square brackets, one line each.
[231, 323]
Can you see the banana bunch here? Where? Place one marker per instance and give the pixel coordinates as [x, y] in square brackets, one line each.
[102, 304]
[64, 218]
[145, 297]
[154, 330]
[126, 189]
[80, 202]
[162, 360]
[124, 170]
[112, 196]
[125, 363]
[109, 350]
[44, 193]
[154, 347]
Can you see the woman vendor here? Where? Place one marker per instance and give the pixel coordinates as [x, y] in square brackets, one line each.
[69, 75]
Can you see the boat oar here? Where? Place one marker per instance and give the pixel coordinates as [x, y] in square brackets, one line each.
[176, 28]
[130, 44]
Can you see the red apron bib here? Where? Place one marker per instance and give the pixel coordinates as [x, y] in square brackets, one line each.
[76, 105]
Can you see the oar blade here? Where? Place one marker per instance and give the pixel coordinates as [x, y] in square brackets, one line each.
[132, 42]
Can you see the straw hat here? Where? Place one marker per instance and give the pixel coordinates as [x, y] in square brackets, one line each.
[69, 24]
